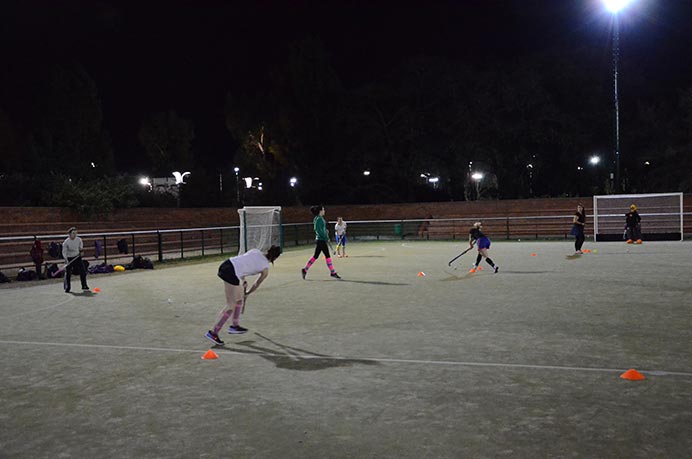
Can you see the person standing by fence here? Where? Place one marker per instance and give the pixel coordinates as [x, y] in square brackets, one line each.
[36, 253]
[633, 226]
[72, 249]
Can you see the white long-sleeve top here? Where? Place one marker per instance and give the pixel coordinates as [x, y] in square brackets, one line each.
[72, 247]
[340, 229]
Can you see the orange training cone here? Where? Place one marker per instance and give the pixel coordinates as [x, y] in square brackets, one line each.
[533, 254]
[632, 375]
[97, 290]
[421, 274]
[210, 355]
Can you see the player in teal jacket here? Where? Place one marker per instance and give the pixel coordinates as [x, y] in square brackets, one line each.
[321, 239]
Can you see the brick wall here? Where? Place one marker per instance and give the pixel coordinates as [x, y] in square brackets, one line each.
[16, 221]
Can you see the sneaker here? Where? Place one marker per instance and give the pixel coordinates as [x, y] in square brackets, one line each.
[304, 272]
[85, 287]
[214, 338]
[67, 290]
[335, 276]
[236, 330]
[497, 268]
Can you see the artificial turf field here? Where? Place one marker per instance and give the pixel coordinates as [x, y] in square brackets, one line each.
[384, 363]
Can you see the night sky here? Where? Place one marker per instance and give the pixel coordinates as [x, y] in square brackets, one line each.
[152, 56]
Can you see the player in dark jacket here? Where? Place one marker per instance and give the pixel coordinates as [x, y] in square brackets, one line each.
[633, 226]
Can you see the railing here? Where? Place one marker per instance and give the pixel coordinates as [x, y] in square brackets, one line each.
[180, 243]
[160, 244]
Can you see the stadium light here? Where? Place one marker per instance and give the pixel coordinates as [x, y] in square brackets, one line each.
[434, 179]
[477, 176]
[615, 6]
[180, 178]
[595, 160]
[366, 172]
[144, 181]
[293, 182]
[237, 185]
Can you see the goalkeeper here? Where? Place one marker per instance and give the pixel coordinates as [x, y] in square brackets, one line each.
[321, 240]
[633, 226]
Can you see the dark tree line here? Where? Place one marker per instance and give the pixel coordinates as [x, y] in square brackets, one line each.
[528, 124]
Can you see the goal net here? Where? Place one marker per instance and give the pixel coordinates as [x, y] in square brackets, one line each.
[661, 215]
[260, 228]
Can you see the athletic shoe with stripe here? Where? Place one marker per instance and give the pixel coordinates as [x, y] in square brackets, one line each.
[303, 272]
[236, 330]
[335, 276]
[214, 338]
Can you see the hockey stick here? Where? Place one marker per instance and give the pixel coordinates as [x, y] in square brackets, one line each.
[338, 245]
[55, 274]
[244, 296]
[462, 253]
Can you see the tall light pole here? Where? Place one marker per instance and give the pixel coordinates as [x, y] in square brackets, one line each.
[237, 185]
[615, 6]
[477, 176]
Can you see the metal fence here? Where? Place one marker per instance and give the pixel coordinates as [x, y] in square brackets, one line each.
[168, 244]
[156, 244]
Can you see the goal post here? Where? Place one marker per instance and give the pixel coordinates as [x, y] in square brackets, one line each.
[260, 228]
[661, 213]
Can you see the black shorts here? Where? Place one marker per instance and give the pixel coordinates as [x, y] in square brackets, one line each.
[227, 273]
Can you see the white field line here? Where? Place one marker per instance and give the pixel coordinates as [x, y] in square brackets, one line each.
[341, 358]
[70, 298]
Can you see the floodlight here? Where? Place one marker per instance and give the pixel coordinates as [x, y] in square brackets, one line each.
[477, 176]
[180, 178]
[366, 172]
[293, 181]
[595, 160]
[615, 6]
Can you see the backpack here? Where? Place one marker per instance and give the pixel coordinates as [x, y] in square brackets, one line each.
[140, 262]
[100, 269]
[3, 278]
[52, 269]
[55, 250]
[26, 275]
[122, 246]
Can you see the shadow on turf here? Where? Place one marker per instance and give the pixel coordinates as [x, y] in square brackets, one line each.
[293, 358]
[83, 293]
[454, 277]
[357, 281]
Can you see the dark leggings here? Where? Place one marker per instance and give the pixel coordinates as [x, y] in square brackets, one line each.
[578, 242]
[321, 246]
